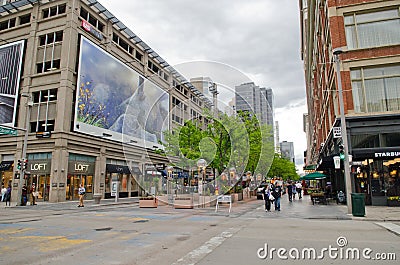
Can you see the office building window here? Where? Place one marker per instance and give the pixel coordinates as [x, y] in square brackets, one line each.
[376, 89]
[24, 19]
[91, 19]
[54, 11]
[10, 23]
[50, 38]
[372, 29]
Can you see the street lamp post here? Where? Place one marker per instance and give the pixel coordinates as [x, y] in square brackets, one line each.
[170, 169]
[202, 164]
[347, 177]
[29, 104]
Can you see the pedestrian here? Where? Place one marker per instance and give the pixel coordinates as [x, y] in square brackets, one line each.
[289, 190]
[24, 197]
[3, 193]
[293, 186]
[267, 199]
[33, 194]
[7, 197]
[299, 189]
[277, 193]
[81, 193]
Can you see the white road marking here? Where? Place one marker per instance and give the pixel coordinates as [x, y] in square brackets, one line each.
[197, 254]
[391, 227]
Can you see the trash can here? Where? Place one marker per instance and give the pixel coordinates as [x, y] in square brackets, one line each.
[97, 198]
[358, 204]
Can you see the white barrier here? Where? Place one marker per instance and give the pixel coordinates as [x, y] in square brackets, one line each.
[224, 199]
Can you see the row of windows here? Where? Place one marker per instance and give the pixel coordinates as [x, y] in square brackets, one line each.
[124, 45]
[177, 119]
[48, 66]
[196, 100]
[12, 22]
[44, 96]
[50, 38]
[179, 87]
[42, 126]
[177, 103]
[54, 11]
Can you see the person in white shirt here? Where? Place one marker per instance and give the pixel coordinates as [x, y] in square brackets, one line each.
[3, 193]
[81, 193]
[298, 189]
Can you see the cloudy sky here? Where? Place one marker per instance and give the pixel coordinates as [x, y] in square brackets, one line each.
[260, 38]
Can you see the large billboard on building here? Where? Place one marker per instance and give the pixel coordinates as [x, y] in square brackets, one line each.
[116, 102]
[10, 76]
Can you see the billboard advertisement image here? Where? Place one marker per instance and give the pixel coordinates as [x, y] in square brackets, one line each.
[114, 101]
[10, 76]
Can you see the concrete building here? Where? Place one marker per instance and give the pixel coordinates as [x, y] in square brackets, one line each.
[94, 98]
[254, 99]
[367, 33]
[287, 151]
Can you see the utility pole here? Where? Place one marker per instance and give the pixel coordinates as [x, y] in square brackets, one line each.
[347, 176]
[29, 104]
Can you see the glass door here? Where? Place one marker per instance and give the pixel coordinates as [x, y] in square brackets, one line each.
[43, 187]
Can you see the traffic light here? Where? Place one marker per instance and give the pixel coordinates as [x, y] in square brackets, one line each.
[341, 152]
[19, 165]
[25, 164]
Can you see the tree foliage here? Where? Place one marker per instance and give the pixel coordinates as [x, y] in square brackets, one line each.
[283, 168]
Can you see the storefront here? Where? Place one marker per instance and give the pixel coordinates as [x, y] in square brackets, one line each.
[6, 173]
[377, 174]
[80, 170]
[39, 172]
[127, 180]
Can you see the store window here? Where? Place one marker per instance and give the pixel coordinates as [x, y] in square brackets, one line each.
[373, 29]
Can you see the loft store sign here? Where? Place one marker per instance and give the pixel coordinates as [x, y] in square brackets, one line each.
[38, 167]
[388, 154]
[81, 167]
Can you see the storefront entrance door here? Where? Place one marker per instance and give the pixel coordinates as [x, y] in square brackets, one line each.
[43, 187]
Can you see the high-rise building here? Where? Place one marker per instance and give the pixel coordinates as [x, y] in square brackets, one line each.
[253, 99]
[93, 97]
[287, 151]
[365, 37]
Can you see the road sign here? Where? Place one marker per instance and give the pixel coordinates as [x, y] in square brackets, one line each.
[337, 132]
[4, 130]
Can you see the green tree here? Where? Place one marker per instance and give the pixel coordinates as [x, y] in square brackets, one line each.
[283, 168]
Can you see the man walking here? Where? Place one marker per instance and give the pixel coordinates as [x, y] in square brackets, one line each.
[277, 193]
[266, 194]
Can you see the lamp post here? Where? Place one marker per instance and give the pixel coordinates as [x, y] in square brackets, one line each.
[347, 177]
[202, 164]
[170, 169]
[28, 105]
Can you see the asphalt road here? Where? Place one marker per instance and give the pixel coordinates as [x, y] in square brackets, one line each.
[126, 234]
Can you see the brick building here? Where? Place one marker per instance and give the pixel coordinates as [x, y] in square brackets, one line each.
[368, 33]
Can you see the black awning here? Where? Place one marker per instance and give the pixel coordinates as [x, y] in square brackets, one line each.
[5, 165]
[117, 169]
[326, 163]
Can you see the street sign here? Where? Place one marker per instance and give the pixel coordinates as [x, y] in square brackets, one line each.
[337, 132]
[4, 130]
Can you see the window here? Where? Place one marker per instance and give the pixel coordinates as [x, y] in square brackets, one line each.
[139, 56]
[91, 19]
[42, 126]
[44, 96]
[54, 11]
[153, 67]
[10, 23]
[24, 19]
[372, 29]
[376, 89]
[48, 66]
[50, 38]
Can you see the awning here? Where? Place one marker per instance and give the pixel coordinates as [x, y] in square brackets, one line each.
[117, 169]
[5, 165]
[313, 176]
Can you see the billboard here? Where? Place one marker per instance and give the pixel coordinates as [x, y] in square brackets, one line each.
[10, 76]
[115, 101]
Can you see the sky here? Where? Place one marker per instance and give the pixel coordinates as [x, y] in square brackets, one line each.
[260, 38]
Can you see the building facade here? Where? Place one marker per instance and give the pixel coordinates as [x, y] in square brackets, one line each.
[92, 97]
[254, 99]
[287, 151]
[367, 34]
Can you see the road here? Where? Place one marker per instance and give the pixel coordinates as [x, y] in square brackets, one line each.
[126, 234]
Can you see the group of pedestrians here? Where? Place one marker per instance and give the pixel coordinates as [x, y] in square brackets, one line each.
[6, 195]
[273, 192]
[272, 195]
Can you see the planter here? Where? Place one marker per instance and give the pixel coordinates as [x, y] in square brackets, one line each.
[183, 203]
[148, 202]
[238, 196]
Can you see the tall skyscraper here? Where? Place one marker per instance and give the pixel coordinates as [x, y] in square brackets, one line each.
[252, 98]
